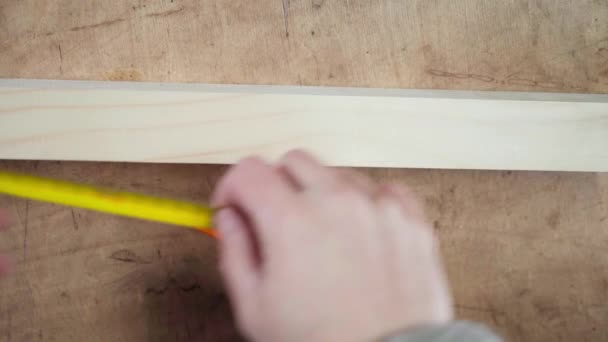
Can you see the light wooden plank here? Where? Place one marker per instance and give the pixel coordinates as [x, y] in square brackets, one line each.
[192, 123]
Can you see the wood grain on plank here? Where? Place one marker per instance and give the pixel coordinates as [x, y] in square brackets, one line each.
[63, 120]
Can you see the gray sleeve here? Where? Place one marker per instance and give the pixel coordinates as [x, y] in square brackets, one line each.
[459, 331]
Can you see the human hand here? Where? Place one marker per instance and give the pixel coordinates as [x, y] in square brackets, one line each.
[310, 253]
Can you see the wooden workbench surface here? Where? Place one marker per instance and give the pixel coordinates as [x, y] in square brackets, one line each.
[525, 251]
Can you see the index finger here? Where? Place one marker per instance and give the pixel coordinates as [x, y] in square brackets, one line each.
[257, 190]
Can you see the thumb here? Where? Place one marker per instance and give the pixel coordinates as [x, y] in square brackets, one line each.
[237, 256]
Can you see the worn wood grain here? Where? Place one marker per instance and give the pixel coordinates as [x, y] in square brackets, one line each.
[525, 250]
[472, 44]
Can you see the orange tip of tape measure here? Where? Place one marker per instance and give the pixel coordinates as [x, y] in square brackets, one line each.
[209, 231]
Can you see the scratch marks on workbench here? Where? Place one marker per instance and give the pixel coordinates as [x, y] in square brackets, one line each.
[554, 218]
[317, 4]
[533, 83]
[286, 16]
[573, 55]
[123, 75]
[190, 288]
[172, 283]
[128, 256]
[547, 309]
[60, 59]
[440, 208]
[25, 223]
[9, 313]
[509, 80]
[165, 13]
[602, 52]
[74, 222]
[97, 25]
[442, 73]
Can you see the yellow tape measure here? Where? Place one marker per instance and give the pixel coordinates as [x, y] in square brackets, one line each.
[145, 207]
